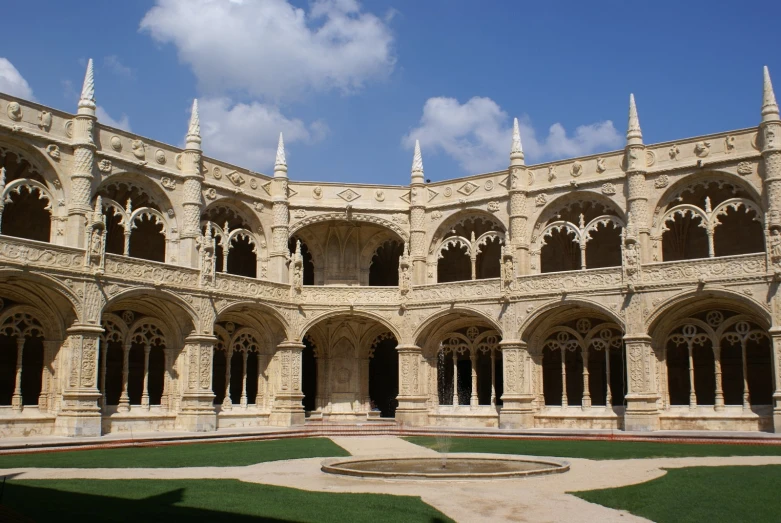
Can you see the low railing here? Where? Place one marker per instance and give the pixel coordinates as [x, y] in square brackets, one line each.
[708, 268]
[349, 295]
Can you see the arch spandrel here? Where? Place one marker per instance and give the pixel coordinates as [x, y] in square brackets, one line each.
[348, 314]
[451, 319]
[43, 164]
[171, 308]
[565, 310]
[58, 303]
[436, 237]
[352, 217]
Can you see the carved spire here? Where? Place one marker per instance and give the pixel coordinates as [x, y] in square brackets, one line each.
[208, 234]
[769, 105]
[516, 151]
[417, 164]
[2, 179]
[634, 136]
[299, 257]
[280, 160]
[194, 130]
[87, 100]
[97, 214]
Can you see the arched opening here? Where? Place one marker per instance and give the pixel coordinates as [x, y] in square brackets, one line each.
[239, 364]
[710, 217]
[21, 360]
[470, 249]
[309, 375]
[242, 260]
[454, 264]
[582, 358]
[384, 268]
[147, 240]
[309, 267]
[27, 215]
[236, 246]
[467, 364]
[583, 234]
[27, 204]
[384, 375]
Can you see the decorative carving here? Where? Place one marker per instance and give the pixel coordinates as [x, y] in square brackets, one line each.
[348, 195]
[576, 169]
[601, 165]
[104, 166]
[662, 181]
[299, 214]
[551, 173]
[745, 168]
[45, 121]
[14, 111]
[448, 192]
[468, 188]
[210, 193]
[53, 151]
[436, 215]
[650, 158]
[160, 156]
[729, 144]
[540, 200]
[673, 152]
[702, 149]
[493, 206]
[608, 188]
[379, 195]
[139, 149]
[217, 173]
[116, 143]
[488, 186]
[169, 183]
[235, 178]
[317, 192]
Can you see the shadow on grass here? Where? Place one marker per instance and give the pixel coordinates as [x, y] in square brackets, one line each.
[198, 501]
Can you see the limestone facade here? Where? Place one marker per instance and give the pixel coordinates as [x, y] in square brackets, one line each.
[148, 287]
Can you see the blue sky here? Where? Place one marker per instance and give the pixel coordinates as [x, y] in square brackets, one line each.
[353, 83]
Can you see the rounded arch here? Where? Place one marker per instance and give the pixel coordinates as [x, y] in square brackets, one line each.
[157, 301]
[134, 184]
[691, 301]
[351, 217]
[338, 313]
[433, 322]
[264, 319]
[460, 217]
[60, 304]
[563, 310]
[40, 163]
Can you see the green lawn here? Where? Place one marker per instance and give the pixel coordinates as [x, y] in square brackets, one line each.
[203, 501]
[712, 494]
[186, 455]
[596, 449]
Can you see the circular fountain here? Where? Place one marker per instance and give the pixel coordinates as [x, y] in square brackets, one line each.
[452, 466]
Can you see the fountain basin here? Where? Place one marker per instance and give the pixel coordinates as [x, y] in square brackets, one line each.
[457, 466]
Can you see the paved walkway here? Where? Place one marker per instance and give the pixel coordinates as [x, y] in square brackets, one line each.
[538, 499]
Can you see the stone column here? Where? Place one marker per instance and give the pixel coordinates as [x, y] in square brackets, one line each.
[473, 398]
[227, 402]
[279, 252]
[412, 401]
[641, 410]
[260, 396]
[417, 218]
[564, 403]
[47, 400]
[455, 378]
[81, 177]
[517, 411]
[365, 396]
[79, 414]
[244, 355]
[493, 377]
[586, 400]
[719, 402]
[769, 141]
[192, 199]
[103, 365]
[609, 388]
[637, 192]
[124, 398]
[16, 398]
[196, 408]
[288, 409]
[775, 337]
[516, 184]
[145, 393]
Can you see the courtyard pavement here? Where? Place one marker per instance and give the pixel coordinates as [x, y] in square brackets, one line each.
[539, 499]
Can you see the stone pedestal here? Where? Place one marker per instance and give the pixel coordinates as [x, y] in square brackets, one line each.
[775, 337]
[196, 409]
[79, 413]
[642, 413]
[288, 409]
[412, 403]
[517, 410]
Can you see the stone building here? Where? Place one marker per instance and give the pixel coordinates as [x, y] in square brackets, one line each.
[147, 287]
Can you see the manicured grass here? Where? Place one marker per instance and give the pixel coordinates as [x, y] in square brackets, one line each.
[711, 494]
[186, 455]
[203, 501]
[596, 449]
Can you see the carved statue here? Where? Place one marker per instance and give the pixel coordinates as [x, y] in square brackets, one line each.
[631, 258]
[775, 246]
[96, 245]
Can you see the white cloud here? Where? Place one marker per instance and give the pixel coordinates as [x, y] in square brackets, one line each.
[271, 49]
[12, 82]
[113, 63]
[247, 133]
[104, 118]
[477, 134]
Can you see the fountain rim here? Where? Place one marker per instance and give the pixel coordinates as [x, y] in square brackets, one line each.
[340, 466]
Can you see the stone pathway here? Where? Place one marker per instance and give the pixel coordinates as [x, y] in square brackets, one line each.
[539, 499]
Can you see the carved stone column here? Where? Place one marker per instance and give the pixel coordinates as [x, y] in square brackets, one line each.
[279, 252]
[83, 163]
[637, 189]
[192, 199]
[516, 184]
[412, 400]
[517, 410]
[288, 409]
[79, 413]
[641, 399]
[196, 408]
[775, 336]
[417, 219]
